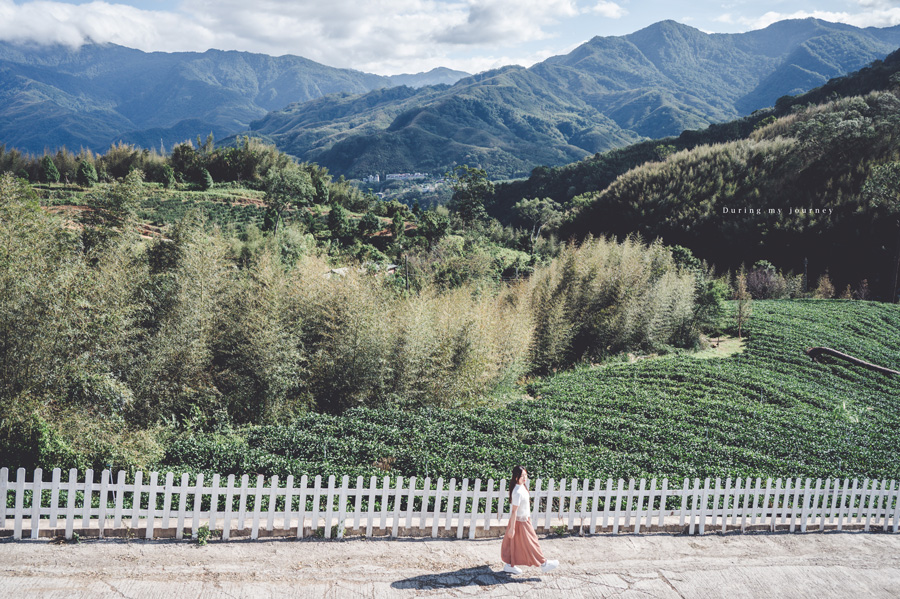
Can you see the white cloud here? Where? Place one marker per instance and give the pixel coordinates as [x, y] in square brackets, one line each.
[880, 17]
[506, 21]
[878, 4]
[610, 10]
[62, 23]
[383, 36]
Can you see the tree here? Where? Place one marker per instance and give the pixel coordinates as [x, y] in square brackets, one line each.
[825, 288]
[338, 223]
[168, 176]
[321, 180]
[206, 180]
[287, 187]
[744, 300]
[398, 226]
[49, 172]
[663, 151]
[433, 226]
[123, 197]
[184, 160]
[709, 302]
[882, 189]
[471, 188]
[368, 224]
[539, 213]
[87, 174]
[112, 210]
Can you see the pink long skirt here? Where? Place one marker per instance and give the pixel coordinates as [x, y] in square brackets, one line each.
[523, 548]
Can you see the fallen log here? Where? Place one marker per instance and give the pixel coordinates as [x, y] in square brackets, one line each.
[816, 352]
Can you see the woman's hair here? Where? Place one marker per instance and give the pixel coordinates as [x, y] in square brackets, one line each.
[516, 475]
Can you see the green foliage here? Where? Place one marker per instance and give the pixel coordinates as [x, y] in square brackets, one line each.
[338, 223]
[471, 188]
[368, 224]
[288, 187]
[122, 199]
[768, 411]
[743, 301]
[663, 151]
[882, 189]
[204, 534]
[49, 172]
[433, 226]
[206, 180]
[765, 122]
[796, 187]
[87, 174]
[258, 359]
[538, 214]
[709, 309]
[602, 298]
[168, 177]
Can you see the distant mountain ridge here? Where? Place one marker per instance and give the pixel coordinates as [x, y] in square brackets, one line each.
[608, 92]
[53, 95]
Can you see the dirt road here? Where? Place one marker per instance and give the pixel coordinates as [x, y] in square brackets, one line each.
[818, 566]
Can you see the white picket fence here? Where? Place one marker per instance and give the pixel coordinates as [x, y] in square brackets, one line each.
[413, 507]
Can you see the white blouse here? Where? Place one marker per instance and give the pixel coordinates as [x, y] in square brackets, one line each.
[522, 500]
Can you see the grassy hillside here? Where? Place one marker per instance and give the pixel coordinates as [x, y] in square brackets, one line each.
[767, 411]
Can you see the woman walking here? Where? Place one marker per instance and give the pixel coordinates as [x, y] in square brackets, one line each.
[520, 544]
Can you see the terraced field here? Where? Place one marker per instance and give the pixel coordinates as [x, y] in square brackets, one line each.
[768, 411]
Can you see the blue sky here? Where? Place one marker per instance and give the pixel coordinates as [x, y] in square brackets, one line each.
[394, 36]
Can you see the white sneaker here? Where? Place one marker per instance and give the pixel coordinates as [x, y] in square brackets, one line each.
[511, 569]
[550, 564]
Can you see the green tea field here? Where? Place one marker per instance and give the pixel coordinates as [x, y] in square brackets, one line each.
[766, 411]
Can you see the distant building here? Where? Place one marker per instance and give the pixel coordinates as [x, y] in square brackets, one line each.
[404, 176]
[376, 178]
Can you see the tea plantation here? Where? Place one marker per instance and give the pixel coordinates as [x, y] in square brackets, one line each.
[768, 411]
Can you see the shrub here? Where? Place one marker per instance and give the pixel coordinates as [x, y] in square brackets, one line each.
[825, 288]
[603, 297]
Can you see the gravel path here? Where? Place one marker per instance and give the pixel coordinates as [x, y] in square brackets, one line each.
[818, 566]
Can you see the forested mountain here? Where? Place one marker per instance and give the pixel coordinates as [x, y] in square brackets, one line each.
[605, 94]
[562, 184]
[53, 95]
[810, 184]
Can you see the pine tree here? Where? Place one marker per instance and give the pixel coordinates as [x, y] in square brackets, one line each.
[49, 172]
[206, 180]
[87, 174]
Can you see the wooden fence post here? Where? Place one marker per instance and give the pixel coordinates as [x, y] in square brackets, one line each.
[151, 505]
[342, 506]
[70, 501]
[182, 503]
[4, 492]
[104, 493]
[54, 498]
[229, 508]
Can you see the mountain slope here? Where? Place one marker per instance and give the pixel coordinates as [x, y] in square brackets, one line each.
[597, 172]
[489, 118]
[53, 95]
[794, 192]
[606, 93]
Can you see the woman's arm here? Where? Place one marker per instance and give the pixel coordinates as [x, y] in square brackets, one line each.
[511, 525]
